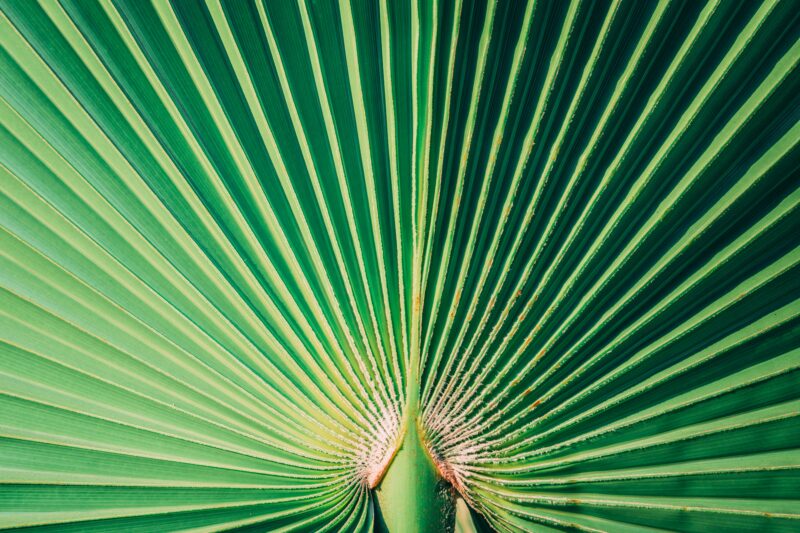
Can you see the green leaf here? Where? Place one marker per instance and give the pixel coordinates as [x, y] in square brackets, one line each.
[366, 265]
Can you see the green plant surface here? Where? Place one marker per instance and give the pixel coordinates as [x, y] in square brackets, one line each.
[405, 266]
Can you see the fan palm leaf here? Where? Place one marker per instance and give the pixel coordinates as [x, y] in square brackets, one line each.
[407, 266]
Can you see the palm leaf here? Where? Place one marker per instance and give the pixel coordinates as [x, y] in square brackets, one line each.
[400, 265]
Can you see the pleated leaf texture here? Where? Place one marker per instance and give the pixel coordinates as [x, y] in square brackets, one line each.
[370, 265]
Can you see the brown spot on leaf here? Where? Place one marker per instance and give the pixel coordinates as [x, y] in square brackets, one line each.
[527, 341]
